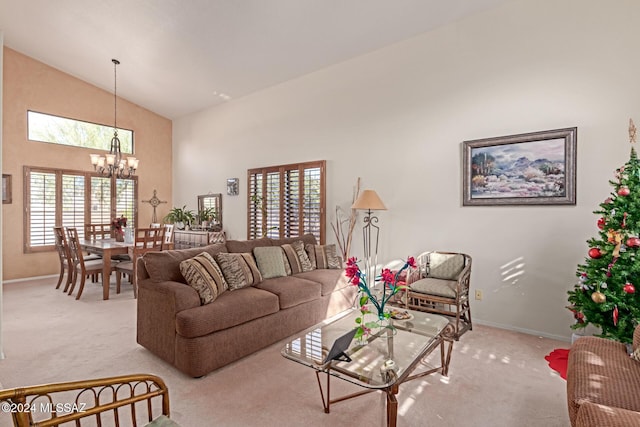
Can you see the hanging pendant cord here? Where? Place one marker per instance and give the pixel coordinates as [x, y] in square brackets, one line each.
[115, 96]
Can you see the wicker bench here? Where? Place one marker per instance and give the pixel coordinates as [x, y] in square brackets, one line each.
[130, 400]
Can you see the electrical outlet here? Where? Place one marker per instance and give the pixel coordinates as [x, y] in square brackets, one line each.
[478, 294]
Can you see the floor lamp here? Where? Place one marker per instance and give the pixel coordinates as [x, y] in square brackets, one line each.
[370, 201]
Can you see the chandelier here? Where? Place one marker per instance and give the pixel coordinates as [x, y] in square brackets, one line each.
[114, 164]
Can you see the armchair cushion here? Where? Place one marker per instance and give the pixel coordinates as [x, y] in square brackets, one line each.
[445, 266]
[432, 286]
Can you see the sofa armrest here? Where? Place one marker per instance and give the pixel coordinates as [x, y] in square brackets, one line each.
[158, 305]
[594, 415]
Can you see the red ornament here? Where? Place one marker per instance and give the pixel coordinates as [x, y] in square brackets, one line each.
[624, 191]
[629, 288]
[595, 253]
[601, 223]
[615, 316]
[633, 242]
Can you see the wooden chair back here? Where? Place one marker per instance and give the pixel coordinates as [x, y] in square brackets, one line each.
[137, 399]
[145, 240]
[148, 239]
[64, 254]
[168, 237]
[80, 268]
[97, 231]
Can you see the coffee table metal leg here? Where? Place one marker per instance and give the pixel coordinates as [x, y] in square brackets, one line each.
[327, 402]
[392, 406]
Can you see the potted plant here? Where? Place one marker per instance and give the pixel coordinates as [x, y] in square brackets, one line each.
[181, 217]
[207, 216]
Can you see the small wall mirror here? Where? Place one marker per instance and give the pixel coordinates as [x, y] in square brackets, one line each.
[210, 211]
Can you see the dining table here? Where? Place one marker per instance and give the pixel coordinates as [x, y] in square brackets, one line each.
[107, 248]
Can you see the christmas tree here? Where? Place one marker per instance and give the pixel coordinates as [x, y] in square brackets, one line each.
[606, 294]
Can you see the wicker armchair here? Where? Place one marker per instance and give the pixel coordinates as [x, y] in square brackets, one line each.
[130, 400]
[440, 285]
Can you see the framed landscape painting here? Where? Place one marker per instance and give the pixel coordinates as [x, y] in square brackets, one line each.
[537, 168]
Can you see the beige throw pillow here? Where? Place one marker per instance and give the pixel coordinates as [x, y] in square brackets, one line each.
[240, 270]
[203, 274]
[270, 261]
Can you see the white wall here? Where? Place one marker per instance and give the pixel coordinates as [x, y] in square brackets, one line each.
[397, 118]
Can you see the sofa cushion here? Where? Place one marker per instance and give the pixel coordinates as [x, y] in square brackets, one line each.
[296, 255]
[600, 371]
[239, 270]
[270, 260]
[330, 280]
[323, 256]
[246, 246]
[164, 266]
[445, 266]
[229, 310]
[203, 274]
[307, 239]
[292, 291]
[431, 286]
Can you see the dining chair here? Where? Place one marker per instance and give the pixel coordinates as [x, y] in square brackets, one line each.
[97, 231]
[81, 267]
[64, 254]
[145, 240]
[168, 237]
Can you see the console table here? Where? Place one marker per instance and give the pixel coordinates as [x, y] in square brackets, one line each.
[192, 239]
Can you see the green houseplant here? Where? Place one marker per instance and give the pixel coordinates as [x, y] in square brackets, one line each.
[207, 215]
[181, 217]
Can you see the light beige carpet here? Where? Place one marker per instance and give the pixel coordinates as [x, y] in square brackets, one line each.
[497, 377]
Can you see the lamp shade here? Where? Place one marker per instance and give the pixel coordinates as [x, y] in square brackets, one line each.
[369, 200]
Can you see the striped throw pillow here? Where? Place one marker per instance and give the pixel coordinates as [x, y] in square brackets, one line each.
[323, 256]
[203, 274]
[239, 269]
[296, 255]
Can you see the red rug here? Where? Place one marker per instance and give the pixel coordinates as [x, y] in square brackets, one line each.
[558, 360]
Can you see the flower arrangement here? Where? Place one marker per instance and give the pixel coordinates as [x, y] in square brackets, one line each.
[391, 286]
[118, 223]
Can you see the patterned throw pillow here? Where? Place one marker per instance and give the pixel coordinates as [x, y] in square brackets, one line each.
[270, 261]
[635, 355]
[323, 256]
[203, 274]
[298, 259]
[240, 270]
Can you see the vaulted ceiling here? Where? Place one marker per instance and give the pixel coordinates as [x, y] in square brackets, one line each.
[181, 56]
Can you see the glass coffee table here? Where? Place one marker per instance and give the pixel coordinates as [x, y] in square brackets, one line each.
[389, 357]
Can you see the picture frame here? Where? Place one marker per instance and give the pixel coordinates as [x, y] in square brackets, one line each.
[6, 188]
[233, 186]
[537, 168]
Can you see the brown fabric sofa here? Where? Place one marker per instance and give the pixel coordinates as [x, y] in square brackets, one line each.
[603, 382]
[197, 339]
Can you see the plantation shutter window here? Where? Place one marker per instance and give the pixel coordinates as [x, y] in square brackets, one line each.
[72, 199]
[42, 208]
[287, 201]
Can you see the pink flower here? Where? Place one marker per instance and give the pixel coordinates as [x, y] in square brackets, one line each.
[387, 276]
[355, 280]
[411, 261]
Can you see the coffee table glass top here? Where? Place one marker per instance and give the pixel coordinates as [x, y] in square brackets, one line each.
[389, 353]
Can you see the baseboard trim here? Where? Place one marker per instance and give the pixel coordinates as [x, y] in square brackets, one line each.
[523, 330]
[26, 279]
